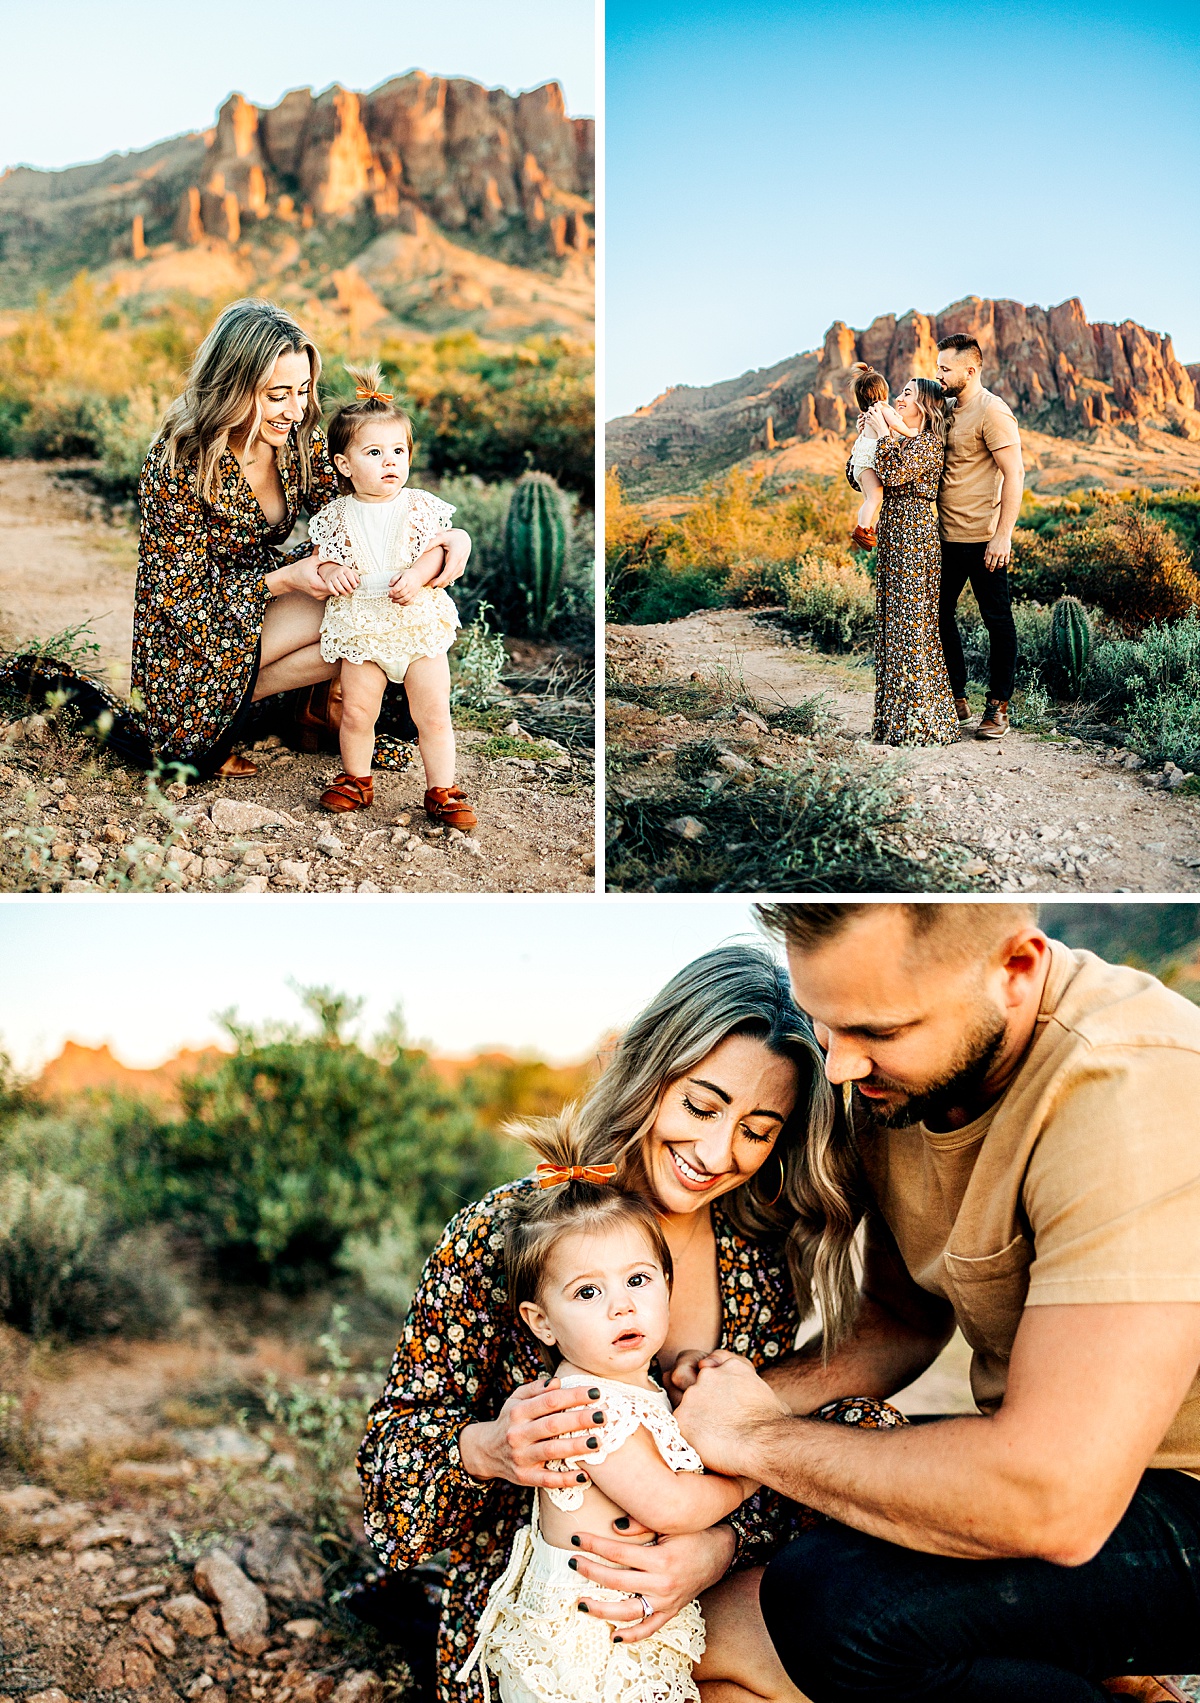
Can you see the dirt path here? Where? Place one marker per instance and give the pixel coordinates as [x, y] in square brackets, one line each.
[1042, 815]
[62, 563]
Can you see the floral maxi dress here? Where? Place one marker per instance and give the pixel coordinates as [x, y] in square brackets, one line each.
[913, 702]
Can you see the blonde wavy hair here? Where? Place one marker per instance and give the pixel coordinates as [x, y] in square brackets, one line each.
[935, 404]
[812, 1201]
[231, 366]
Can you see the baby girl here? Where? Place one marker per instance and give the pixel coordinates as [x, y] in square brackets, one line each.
[870, 388]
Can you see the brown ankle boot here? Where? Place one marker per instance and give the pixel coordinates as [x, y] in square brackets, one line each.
[962, 709]
[995, 720]
[448, 807]
[349, 792]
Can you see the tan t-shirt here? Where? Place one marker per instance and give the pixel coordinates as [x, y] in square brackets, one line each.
[1082, 1182]
[969, 496]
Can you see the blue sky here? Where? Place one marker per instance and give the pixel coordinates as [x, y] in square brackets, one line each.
[773, 167]
[84, 79]
[549, 976]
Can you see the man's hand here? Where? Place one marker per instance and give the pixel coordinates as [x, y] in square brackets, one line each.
[668, 1573]
[529, 1430]
[727, 1399]
[999, 551]
[457, 545]
[340, 579]
[405, 586]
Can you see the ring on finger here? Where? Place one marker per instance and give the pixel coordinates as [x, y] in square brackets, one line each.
[647, 1611]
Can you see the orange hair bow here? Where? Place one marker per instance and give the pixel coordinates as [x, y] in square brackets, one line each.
[549, 1176]
[374, 395]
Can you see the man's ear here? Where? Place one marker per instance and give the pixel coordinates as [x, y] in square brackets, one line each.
[537, 1321]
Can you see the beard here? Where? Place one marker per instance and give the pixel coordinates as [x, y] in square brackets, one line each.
[953, 387]
[958, 1086]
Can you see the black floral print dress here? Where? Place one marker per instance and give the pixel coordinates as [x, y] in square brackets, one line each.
[201, 596]
[460, 1357]
[913, 702]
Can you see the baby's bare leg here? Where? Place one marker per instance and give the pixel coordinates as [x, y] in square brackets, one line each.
[871, 486]
[362, 694]
[739, 1664]
[428, 686]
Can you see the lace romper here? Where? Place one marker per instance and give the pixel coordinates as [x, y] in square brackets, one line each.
[531, 1634]
[367, 626]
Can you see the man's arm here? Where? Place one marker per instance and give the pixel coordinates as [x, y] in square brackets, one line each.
[1091, 1392]
[999, 550]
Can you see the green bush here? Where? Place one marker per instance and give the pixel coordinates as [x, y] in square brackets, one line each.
[1165, 728]
[655, 592]
[830, 598]
[1118, 557]
[1125, 672]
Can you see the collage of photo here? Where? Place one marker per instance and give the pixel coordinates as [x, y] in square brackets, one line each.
[600, 853]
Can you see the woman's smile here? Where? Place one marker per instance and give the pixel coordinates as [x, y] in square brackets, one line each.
[690, 1174]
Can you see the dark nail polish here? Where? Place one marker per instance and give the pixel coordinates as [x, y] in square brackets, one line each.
[622, 1524]
[618, 1640]
[583, 1608]
[593, 1443]
[593, 1395]
[581, 1478]
[573, 1562]
[575, 1540]
[597, 1419]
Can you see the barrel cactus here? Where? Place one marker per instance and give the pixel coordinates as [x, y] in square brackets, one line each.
[537, 536]
[1071, 641]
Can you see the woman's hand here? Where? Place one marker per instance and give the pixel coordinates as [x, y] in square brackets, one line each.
[668, 1573]
[529, 1430]
[405, 586]
[457, 545]
[340, 579]
[302, 576]
[876, 419]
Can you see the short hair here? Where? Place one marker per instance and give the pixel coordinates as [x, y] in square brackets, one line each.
[962, 344]
[948, 932]
[374, 407]
[869, 386]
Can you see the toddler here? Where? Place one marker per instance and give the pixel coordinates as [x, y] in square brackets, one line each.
[589, 1272]
[381, 544]
[870, 387]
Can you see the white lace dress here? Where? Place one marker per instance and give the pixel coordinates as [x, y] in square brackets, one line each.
[533, 1637]
[379, 540]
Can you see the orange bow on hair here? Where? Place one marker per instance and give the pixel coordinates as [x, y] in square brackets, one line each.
[549, 1176]
[373, 395]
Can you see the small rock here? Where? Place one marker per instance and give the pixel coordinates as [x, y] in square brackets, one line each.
[112, 834]
[186, 862]
[177, 791]
[215, 868]
[125, 1668]
[51, 1695]
[400, 837]
[94, 1561]
[331, 845]
[36, 729]
[751, 718]
[156, 1630]
[302, 1630]
[734, 764]
[404, 819]
[312, 1688]
[222, 1445]
[242, 1606]
[296, 874]
[26, 1499]
[279, 1559]
[365, 1687]
[48, 1527]
[686, 828]
[239, 816]
[1133, 761]
[254, 857]
[203, 1682]
[191, 1616]
[151, 1472]
[253, 884]
[58, 785]
[109, 1533]
[368, 887]
[472, 845]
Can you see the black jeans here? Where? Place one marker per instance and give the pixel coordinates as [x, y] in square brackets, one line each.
[960, 563]
[853, 1617]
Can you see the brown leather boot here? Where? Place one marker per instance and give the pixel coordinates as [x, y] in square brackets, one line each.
[962, 709]
[349, 792]
[448, 807]
[319, 717]
[995, 720]
[1145, 1687]
[865, 537]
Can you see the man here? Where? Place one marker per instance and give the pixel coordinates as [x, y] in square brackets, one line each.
[1026, 1121]
[978, 504]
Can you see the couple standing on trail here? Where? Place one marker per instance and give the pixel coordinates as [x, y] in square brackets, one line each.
[942, 472]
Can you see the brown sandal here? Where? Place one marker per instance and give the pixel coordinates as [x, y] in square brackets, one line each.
[448, 807]
[349, 792]
[320, 716]
[237, 768]
[865, 537]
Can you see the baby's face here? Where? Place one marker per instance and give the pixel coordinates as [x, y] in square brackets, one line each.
[604, 1304]
[376, 461]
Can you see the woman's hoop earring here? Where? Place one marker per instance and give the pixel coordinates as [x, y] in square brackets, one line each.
[782, 1180]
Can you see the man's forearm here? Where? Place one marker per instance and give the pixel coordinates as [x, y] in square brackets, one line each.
[882, 1355]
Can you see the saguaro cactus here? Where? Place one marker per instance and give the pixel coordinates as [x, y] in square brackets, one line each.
[537, 535]
[1071, 641]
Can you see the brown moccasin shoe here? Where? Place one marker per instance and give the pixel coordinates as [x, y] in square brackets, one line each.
[865, 537]
[995, 720]
[448, 807]
[962, 709]
[349, 792]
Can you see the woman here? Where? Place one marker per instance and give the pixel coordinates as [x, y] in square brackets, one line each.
[224, 614]
[716, 1107]
[913, 702]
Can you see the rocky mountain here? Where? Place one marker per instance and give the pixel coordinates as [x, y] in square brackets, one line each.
[349, 196]
[1114, 388]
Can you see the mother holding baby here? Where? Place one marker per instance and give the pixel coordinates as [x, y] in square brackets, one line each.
[226, 613]
[715, 1108]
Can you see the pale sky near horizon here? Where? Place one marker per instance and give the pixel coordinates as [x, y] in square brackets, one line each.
[774, 166]
[85, 80]
[548, 976]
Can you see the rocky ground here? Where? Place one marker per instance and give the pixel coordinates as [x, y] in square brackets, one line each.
[70, 821]
[1032, 812]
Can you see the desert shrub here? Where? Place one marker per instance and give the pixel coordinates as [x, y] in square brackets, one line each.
[660, 593]
[1124, 671]
[326, 1423]
[124, 434]
[478, 661]
[830, 598]
[1165, 728]
[827, 826]
[1117, 558]
[296, 1144]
